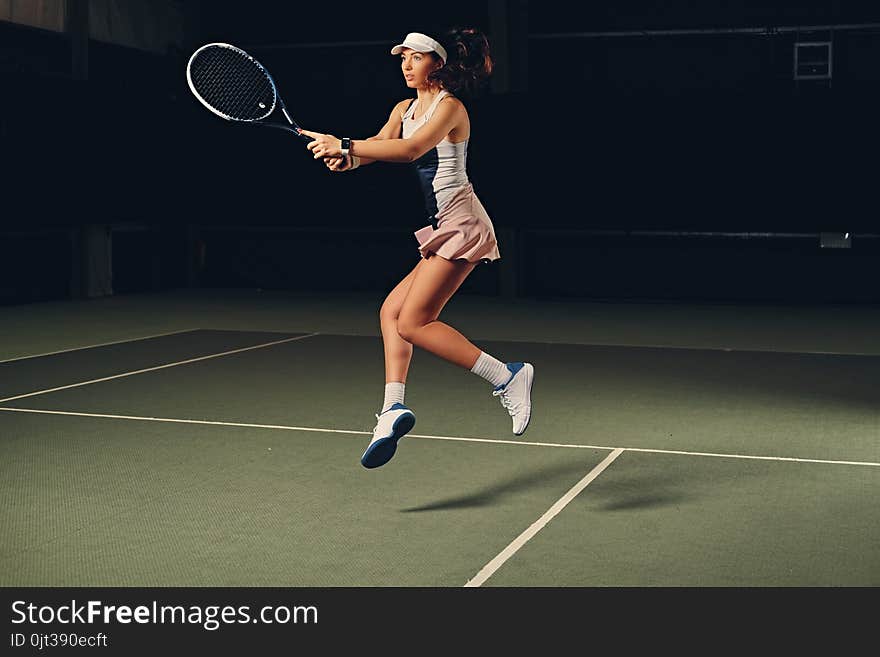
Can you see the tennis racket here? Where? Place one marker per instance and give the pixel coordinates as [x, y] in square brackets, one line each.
[236, 87]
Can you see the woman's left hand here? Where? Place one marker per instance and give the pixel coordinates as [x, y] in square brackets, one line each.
[323, 145]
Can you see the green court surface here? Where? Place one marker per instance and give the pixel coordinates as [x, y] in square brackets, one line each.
[230, 456]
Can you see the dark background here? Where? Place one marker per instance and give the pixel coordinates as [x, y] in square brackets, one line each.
[678, 161]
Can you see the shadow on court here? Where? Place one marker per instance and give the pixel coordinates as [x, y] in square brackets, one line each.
[645, 489]
[649, 491]
[624, 493]
[495, 492]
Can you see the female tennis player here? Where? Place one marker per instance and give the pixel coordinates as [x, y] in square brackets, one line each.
[431, 133]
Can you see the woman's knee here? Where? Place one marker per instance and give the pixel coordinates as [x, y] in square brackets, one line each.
[389, 311]
[390, 308]
[408, 327]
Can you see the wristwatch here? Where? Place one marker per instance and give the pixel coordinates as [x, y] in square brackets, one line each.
[346, 146]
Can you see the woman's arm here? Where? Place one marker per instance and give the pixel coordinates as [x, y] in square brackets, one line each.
[390, 130]
[445, 118]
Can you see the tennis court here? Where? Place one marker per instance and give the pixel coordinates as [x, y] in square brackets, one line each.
[203, 438]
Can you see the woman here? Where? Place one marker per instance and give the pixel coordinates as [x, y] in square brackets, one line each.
[431, 133]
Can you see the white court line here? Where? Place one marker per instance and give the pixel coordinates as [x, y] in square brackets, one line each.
[522, 443]
[183, 421]
[751, 457]
[644, 449]
[157, 367]
[489, 569]
[103, 344]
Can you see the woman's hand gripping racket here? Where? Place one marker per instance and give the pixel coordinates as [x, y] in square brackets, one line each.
[236, 87]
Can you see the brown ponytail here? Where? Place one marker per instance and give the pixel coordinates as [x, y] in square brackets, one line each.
[468, 63]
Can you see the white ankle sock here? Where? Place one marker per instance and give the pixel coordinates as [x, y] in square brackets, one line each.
[393, 394]
[491, 369]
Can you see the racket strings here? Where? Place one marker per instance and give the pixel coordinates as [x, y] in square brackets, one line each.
[232, 84]
[240, 85]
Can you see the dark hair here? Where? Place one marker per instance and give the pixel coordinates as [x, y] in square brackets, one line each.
[468, 62]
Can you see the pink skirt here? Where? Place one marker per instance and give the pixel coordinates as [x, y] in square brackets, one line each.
[464, 231]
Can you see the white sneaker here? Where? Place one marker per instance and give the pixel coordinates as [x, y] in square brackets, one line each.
[393, 425]
[516, 395]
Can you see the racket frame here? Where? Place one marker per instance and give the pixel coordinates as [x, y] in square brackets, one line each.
[277, 101]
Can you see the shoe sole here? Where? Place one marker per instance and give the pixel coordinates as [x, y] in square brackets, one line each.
[381, 451]
[530, 379]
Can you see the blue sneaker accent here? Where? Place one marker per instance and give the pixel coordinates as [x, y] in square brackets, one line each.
[513, 368]
[385, 438]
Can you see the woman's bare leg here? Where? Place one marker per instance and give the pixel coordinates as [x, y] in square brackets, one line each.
[434, 282]
[398, 352]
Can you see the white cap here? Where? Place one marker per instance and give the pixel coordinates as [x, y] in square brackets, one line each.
[420, 43]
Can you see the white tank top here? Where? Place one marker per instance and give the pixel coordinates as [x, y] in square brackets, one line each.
[442, 170]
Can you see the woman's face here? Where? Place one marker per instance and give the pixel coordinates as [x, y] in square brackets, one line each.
[416, 66]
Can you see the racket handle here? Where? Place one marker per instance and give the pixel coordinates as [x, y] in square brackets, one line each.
[281, 126]
[293, 126]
